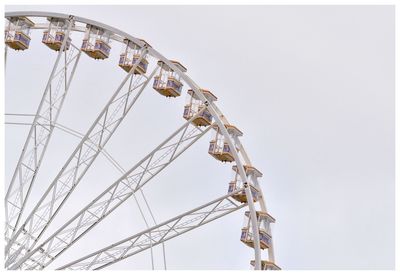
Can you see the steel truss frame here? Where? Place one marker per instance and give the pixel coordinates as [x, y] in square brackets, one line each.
[112, 161]
[240, 157]
[157, 234]
[111, 198]
[39, 134]
[69, 131]
[78, 163]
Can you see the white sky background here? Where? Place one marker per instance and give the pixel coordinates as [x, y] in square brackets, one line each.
[311, 87]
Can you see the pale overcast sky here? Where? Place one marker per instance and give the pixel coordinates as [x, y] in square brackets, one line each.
[311, 87]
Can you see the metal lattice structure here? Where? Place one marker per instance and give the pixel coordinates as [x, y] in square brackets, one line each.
[25, 246]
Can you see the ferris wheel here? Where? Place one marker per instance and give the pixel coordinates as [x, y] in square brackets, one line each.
[26, 248]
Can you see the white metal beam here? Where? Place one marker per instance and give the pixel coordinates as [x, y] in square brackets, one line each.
[119, 35]
[39, 134]
[157, 234]
[220, 120]
[78, 163]
[129, 183]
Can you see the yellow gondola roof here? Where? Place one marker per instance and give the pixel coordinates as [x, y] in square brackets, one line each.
[262, 214]
[129, 42]
[209, 95]
[54, 20]
[25, 19]
[249, 169]
[179, 65]
[233, 130]
[167, 68]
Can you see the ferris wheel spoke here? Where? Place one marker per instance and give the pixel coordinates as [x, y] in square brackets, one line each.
[70, 59]
[156, 235]
[132, 181]
[61, 127]
[39, 136]
[22, 249]
[80, 161]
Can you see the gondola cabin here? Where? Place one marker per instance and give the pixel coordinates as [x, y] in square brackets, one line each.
[130, 56]
[195, 107]
[54, 36]
[219, 147]
[96, 42]
[237, 184]
[168, 82]
[267, 265]
[17, 33]
[263, 222]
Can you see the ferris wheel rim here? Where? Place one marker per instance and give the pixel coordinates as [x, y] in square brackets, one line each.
[211, 106]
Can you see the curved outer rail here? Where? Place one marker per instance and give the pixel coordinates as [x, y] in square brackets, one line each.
[220, 120]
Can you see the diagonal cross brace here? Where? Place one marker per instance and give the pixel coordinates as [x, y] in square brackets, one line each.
[39, 136]
[115, 195]
[73, 171]
[163, 232]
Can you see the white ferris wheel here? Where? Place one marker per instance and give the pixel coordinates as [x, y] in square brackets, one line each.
[27, 247]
